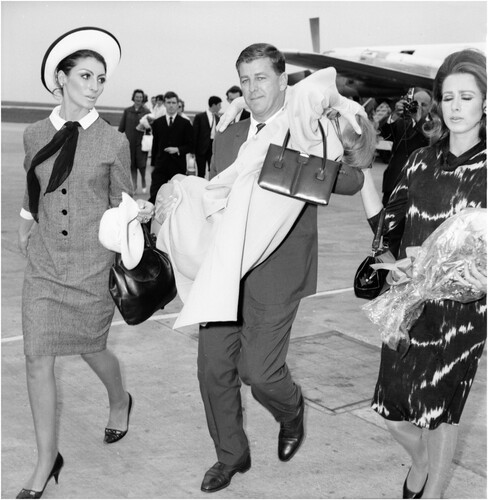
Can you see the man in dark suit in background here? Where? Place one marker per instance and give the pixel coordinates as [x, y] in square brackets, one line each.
[204, 125]
[404, 128]
[254, 348]
[233, 93]
[172, 140]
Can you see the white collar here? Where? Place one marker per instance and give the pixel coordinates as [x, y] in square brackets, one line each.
[253, 127]
[85, 122]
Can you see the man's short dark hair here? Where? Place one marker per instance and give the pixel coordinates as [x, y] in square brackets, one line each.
[234, 90]
[213, 100]
[170, 95]
[261, 50]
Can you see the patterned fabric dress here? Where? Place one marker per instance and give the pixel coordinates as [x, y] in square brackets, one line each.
[66, 304]
[430, 384]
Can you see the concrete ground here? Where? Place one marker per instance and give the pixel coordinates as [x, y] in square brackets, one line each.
[334, 355]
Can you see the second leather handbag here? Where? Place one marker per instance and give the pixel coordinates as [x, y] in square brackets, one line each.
[305, 177]
[138, 293]
[369, 282]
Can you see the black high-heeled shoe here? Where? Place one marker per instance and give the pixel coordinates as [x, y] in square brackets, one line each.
[114, 435]
[58, 465]
[412, 494]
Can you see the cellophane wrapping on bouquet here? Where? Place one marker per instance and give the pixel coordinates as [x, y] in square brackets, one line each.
[437, 272]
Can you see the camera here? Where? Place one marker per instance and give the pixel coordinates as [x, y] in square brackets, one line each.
[410, 107]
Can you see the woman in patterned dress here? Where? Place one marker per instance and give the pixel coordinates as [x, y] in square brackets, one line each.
[66, 305]
[421, 393]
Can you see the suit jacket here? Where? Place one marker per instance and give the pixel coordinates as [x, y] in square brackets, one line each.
[290, 272]
[179, 135]
[202, 129]
[406, 138]
[243, 116]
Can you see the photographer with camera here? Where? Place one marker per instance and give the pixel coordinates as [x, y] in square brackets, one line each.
[404, 128]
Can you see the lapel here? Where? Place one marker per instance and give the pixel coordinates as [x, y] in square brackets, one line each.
[241, 131]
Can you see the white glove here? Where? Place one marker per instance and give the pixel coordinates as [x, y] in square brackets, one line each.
[234, 108]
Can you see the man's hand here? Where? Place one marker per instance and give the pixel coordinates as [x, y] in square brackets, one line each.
[399, 110]
[172, 150]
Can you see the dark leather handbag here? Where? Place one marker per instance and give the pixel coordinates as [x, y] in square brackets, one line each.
[138, 293]
[305, 177]
[369, 282]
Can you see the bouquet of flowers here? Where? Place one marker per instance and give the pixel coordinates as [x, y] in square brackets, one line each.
[435, 270]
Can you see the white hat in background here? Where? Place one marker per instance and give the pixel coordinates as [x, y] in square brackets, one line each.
[121, 232]
[85, 38]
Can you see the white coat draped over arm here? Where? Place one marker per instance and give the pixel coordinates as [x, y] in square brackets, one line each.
[219, 230]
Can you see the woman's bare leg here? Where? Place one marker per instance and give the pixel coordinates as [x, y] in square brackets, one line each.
[441, 443]
[412, 439]
[41, 387]
[106, 365]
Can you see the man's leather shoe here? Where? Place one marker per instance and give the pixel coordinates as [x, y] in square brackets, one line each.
[219, 475]
[291, 435]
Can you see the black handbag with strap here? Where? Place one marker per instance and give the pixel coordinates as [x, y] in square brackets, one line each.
[138, 293]
[369, 282]
[292, 173]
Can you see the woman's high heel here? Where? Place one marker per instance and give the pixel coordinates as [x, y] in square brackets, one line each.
[58, 465]
[114, 435]
[412, 494]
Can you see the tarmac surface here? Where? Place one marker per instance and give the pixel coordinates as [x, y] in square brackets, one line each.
[334, 355]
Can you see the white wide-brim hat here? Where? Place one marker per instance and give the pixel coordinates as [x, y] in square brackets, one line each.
[85, 38]
[121, 232]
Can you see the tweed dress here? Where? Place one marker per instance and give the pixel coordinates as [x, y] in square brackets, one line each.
[66, 305]
[430, 384]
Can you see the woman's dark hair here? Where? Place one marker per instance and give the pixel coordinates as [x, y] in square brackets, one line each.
[138, 91]
[69, 62]
[468, 61]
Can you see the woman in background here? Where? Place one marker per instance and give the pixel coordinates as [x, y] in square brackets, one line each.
[129, 124]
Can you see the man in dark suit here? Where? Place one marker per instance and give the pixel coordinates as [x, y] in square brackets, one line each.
[404, 128]
[172, 140]
[204, 125]
[254, 348]
[233, 93]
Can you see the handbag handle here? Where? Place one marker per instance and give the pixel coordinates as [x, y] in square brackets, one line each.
[148, 237]
[321, 174]
[379, 231]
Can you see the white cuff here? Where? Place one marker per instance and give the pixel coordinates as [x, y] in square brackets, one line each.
[26, 215]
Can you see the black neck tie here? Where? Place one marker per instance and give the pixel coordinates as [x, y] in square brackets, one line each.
[170, 121]
[259, 127]
[66, 140]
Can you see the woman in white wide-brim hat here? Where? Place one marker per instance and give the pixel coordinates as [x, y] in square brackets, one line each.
[77, 167]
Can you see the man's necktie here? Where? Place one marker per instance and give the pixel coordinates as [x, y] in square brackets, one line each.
[170, 121]
[66, 140]
[259, 127]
